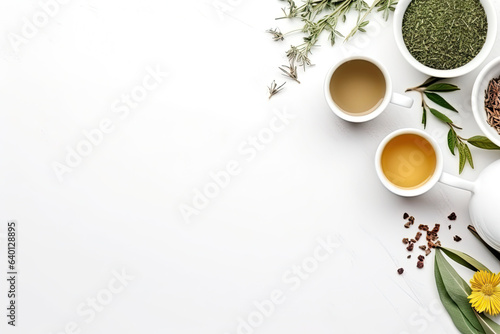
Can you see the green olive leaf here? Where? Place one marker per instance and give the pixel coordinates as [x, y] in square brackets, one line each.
[461, 157]
[440, 116]
[458, 318]
[452, 141]
[482, 142]
[464, 259]
[441, 87]
[439, 100]
[429, 82]
[457, 289]
[424, 117]
[489, 326]
[468, 155]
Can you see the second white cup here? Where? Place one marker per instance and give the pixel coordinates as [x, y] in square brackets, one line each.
[358, 89]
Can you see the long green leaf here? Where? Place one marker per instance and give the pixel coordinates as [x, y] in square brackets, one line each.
[439, 100]
[441, 87]
[441, 116]
[429, 81]
[457, 288]
[468, 155]
[452, 141]
[458, 318]
[489, 326]
[424, 117]
[482, 142]
[493, 251]
[464, 259]
[461, 157]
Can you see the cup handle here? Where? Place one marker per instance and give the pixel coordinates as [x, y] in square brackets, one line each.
[456, 182]
[401, 100]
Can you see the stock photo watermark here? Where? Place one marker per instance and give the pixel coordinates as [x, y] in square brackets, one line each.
[31, 25]
[421, 320]
[88, 310]
[248, 150]
[122, 108]
[293, 278]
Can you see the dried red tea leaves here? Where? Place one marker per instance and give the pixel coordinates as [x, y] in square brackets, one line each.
[457, 238]
[427, 251]
[400, 271]
[449, 227]
[492, 103]
[420, 264]
[405, 241]
[452, 216]
[409, 256]
[423, 247]
[417, 237]
[421, 258]
[410, 247]
[405, 215]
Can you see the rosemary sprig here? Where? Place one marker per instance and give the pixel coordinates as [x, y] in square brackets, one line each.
[277, 35]
[290, 70]
[335, 13]
[430, 89]
[386, 7]
[362, 21]
[275, 89]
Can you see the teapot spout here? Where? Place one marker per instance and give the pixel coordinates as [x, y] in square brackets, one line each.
[457, 182]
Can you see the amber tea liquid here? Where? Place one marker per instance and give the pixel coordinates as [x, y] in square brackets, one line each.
[358, 87]
[408, 161]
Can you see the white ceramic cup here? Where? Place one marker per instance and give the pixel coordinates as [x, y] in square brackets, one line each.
[409, 192]
[389, 97]
[438, 174]
[491, 16]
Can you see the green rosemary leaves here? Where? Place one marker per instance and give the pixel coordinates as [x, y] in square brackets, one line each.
[324, 16]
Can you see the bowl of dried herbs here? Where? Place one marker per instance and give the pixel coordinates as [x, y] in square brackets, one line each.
[485, 100]
[445, 38]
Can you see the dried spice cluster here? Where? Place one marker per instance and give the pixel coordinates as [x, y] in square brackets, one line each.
[492, 104]
[431, 238]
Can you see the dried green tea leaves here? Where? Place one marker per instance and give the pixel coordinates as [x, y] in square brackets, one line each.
[444, 34]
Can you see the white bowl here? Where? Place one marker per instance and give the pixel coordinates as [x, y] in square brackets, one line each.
[473, 64]
[490, 71]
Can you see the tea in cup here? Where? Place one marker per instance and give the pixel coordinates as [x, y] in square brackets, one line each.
[409, 162]
[358, 89]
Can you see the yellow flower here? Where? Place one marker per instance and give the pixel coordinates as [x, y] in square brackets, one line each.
[485, 296]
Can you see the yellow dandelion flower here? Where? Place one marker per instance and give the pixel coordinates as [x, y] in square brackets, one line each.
[485, 296]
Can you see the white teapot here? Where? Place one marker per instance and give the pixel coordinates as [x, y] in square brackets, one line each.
[483, 204]
[484, 201]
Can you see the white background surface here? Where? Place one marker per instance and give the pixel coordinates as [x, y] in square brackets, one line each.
[119, 209]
